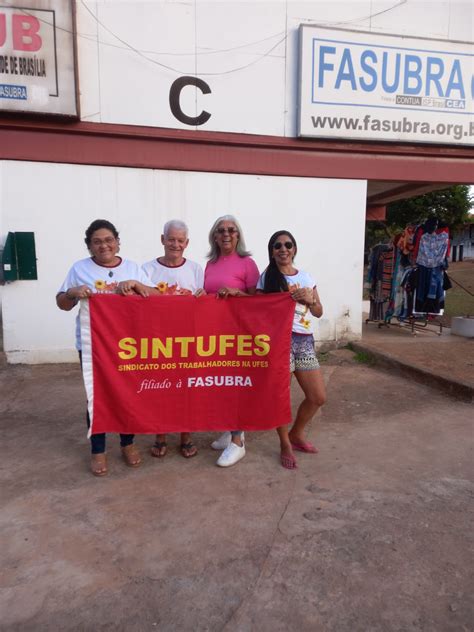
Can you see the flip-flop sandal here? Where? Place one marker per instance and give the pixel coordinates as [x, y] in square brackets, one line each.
[305, 446]
[131, 456]
[157, 447]
[99, 464]
[288, 461]
[186, 447]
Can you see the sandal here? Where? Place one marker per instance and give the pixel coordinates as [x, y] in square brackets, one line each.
[304, 446]
[186, 448]
[288, 461]
[131, 456]
[157, 447]
[99, 464]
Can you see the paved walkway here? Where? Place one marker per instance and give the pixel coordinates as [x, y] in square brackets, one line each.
[372, 534]
[443, 361]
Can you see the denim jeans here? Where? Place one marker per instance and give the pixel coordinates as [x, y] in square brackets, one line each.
[98, 440]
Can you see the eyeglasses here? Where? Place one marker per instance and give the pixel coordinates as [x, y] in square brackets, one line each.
[108, 241]
[230, 230]
[279, 244]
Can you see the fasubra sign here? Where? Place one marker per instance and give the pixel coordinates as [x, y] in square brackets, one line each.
[37, 57]
[379, 87]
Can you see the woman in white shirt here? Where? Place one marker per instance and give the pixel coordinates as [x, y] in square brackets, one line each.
[282, 276]
[102, 272]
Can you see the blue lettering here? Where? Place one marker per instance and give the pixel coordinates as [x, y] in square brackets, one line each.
[432, 76]
[455, 80]
[401, 72]
[323, 65]
[412, 73]
[368, 87]
[396, 79]
[343, 74]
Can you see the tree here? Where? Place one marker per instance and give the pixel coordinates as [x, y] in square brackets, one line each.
[450, 206]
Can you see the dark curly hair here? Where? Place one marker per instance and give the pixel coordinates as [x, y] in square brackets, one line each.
[275, 280]
[97, 224]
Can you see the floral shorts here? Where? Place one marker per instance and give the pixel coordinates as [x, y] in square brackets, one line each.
[302, 354]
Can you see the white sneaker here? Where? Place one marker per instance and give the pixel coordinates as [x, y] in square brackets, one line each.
[223, 441]
[231, 455]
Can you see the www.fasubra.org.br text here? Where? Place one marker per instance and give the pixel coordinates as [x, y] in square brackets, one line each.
[404, 126]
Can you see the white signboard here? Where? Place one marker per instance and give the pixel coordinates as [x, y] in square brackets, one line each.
[378, 87]
[37, 57]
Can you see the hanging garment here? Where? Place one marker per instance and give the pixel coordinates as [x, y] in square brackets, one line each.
[380, 277]
[388, 260]
[419, 232]
[432, 249]
[429, 296]
[396, 296]
[447, 285]
[375, 257]
[408, 285]
[405, 242]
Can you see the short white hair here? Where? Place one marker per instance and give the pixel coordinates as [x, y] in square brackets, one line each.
[177, 224]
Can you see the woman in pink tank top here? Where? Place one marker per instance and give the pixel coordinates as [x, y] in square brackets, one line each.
[230, 271]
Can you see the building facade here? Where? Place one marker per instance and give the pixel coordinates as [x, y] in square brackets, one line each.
[297, 115]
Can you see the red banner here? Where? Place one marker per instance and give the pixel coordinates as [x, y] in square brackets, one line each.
[177, 364]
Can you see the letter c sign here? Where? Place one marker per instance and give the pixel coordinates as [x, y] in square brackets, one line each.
[175, 92]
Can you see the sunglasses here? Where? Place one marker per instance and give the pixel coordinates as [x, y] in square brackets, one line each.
[230, 230]
[279, 244]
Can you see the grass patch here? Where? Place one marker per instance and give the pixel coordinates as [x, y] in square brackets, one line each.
[458, 301]
[323, 357]
[362, 357]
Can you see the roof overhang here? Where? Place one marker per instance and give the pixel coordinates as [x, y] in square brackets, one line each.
[393, 170]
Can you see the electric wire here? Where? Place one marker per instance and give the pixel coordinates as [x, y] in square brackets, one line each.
[154, 61]
[145, 53]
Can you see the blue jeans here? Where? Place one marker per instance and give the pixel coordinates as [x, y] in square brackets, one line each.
[98, 440]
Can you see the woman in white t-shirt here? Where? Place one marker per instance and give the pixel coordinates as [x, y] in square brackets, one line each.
[282, 276]
[105, 272]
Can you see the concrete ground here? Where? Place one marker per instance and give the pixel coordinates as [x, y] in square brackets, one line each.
[444, 361]
[372, 534]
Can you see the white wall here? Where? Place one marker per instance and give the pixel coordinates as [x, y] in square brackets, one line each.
[131, 52]
[57, 203]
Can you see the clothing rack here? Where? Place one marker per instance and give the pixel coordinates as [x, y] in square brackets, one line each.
[408, 279]
[379, 323]
[417, 324]
[413, 323]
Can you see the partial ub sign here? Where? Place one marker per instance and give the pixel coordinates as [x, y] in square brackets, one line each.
[37, 71]
[381, 87]
[24, 30]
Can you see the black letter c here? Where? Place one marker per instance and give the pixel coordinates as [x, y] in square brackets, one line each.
[175, 92]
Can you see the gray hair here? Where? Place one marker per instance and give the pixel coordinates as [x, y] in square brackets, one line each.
[177, 224]
[214, 252]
